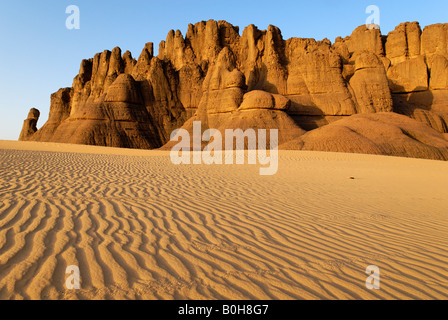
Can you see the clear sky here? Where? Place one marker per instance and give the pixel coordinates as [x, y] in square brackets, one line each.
[39, 54]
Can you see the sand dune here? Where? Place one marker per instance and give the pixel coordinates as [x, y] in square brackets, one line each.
[139, 227]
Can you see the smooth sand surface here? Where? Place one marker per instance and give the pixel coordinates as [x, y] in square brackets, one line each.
[140, 227]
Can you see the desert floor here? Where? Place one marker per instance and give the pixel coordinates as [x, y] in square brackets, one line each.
[140, 227]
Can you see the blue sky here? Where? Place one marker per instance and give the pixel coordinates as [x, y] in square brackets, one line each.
[39, 54]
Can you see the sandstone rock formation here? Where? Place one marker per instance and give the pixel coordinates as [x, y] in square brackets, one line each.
[380, 133]
[30, 125]
[370, 84]
[404, 42]
[256, 80]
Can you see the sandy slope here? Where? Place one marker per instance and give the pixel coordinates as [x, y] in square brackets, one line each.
[140, 227]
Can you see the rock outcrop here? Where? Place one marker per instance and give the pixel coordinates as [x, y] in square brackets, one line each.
[403, 43]
[380, 133]
[409, 76]
[253, 80]
[370, 84]
[30, 125]
[263, 110]
[60, 109]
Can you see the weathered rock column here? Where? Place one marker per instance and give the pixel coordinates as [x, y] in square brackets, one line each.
[29, 125]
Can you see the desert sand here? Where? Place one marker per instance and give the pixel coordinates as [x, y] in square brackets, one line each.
[140, 227]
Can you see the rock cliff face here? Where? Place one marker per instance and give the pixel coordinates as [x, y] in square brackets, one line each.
[30, 124]
[255, 80]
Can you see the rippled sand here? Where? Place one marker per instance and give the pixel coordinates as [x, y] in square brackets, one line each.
[139, 227]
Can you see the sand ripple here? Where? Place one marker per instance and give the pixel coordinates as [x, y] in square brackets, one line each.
[139, 227]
